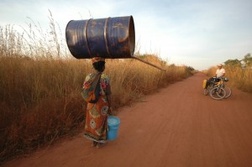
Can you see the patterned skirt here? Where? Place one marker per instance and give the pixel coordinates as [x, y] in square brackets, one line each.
[96, 120]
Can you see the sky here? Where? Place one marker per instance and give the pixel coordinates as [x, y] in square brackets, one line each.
[196, 33]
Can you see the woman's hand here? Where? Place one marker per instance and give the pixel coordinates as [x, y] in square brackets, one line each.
[110, 111]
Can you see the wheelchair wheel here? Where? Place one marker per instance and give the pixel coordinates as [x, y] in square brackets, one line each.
[228, 91]
[205, 92]
[217, 93]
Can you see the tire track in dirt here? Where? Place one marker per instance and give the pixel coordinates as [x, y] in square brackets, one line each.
[178, 127]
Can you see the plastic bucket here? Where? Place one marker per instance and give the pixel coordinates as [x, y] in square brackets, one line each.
[204, 83]
[113, 126]
[107, 38]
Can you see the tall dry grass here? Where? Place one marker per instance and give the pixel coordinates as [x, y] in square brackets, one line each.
[40, 87]
[39, 102]
[240, 78]
[40, 99]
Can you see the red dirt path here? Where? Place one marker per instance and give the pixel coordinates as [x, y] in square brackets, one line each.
[176, 127]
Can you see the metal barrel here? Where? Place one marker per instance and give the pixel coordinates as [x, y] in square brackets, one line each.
[112, 37]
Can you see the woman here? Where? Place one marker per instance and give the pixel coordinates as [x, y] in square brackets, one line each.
[97, 111]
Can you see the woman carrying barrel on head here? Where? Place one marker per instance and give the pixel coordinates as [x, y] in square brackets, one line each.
[98, 103]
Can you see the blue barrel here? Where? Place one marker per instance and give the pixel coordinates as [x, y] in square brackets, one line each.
[113, 126]
[107, 38]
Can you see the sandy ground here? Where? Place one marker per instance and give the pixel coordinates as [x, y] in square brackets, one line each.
[176, 127]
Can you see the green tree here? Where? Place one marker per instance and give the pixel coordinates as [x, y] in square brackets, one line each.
[233, 62]
[247, 60]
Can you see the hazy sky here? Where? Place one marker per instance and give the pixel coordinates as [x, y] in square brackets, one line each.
[196, 33]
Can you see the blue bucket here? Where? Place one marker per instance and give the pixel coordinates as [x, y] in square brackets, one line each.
[113, 126]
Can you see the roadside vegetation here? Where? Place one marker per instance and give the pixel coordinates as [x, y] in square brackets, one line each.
[40, 84]
[239, 73]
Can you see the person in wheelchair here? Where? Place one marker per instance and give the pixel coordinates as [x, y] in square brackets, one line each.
[220, 73]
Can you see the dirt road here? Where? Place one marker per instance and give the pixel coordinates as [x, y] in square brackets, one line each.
[176, 127]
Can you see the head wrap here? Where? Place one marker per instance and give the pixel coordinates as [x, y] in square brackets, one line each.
[97, 59]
